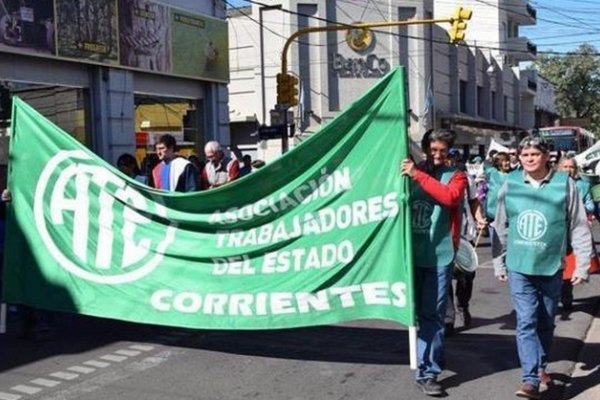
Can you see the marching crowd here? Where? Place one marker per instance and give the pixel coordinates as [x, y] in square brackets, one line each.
[538, 217]
[539, 220]
[166, 170]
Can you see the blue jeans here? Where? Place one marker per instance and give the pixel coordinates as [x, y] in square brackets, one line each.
[431, 288]
[535, 300]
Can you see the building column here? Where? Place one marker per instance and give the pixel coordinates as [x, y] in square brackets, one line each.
[112, 116]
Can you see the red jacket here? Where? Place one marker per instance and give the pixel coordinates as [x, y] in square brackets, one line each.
[450, 196]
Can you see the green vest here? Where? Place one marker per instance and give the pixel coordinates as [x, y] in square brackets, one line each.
[537, 224]
[495, 180]
[432, 240]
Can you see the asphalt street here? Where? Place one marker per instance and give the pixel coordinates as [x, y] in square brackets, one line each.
[94, 359]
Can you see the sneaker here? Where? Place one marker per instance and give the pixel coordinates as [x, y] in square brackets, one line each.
[545, 380]
[430, 387]
[528, 391]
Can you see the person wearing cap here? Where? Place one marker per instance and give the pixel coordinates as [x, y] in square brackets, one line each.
[538, 214]
[436, 202]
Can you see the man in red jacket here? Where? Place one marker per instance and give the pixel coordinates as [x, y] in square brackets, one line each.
[436, 200]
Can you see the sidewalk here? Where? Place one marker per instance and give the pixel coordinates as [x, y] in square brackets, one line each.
[585, 378]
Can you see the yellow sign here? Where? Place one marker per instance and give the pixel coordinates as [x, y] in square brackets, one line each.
[359, 39]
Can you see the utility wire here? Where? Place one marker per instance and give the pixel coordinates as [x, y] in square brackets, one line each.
[350, 26]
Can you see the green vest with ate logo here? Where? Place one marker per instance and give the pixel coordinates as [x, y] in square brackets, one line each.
[537, 224]
[432, 240]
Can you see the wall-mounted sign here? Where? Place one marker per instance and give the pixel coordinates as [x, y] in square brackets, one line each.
[139, 34]
[362, 67]
[359, 39]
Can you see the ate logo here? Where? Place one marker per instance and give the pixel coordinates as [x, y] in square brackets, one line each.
[421, 215]
[531, 225]
[95, 225]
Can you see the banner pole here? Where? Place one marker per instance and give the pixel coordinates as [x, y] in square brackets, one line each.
[412, 346]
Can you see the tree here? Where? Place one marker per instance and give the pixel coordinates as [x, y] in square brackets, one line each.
[576, 80]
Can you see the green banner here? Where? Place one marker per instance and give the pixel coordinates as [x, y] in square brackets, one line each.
[320, 236]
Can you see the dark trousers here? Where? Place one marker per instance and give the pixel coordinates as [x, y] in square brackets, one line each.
[463, 291]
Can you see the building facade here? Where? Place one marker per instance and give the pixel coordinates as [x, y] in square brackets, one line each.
[475, 89]
[116, 75]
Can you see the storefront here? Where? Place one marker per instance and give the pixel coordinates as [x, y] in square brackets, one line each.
[118, 74]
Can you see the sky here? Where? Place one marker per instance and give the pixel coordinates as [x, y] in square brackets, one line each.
[562, 25]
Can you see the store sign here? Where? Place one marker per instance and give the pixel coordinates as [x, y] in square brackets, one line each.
[138, 34]
[362, 67]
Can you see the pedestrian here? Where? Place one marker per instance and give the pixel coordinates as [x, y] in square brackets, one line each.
[128, 165]
[247, 168]
[463, 289]
[173, 173]
[437, 196]
[514, 159]
[538, 211]
[220, 169]
[37, 324]
[568, 164]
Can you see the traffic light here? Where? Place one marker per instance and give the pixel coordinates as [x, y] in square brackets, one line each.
[287, 89]
[293, 91]
[283, 88]
[457, 30]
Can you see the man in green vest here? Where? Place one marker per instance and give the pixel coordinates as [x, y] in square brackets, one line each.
[436, 206]
[538, 214]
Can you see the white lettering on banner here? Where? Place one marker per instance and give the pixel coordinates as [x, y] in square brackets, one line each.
[139, 257]
[236, 265]
[325, 185]
[295, 260]
[357, 213]
[278, 303]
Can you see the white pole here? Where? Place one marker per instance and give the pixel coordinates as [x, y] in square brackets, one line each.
[412, 346]
[2, 318]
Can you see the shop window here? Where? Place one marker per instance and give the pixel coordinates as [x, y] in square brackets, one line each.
[156, 116]
[66, 107]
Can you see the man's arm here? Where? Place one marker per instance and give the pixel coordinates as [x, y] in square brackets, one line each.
[450, 195]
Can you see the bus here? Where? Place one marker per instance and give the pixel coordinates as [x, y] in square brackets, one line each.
[568, 138]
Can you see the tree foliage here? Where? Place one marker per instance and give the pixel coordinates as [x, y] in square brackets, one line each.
[576, 80]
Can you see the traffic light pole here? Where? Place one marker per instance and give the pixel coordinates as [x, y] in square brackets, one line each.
[365, 25]
[286, 97]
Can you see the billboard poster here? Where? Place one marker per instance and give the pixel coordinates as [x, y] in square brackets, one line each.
[144, 35]
[200, 46]
[87, 30]
[27, 26]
